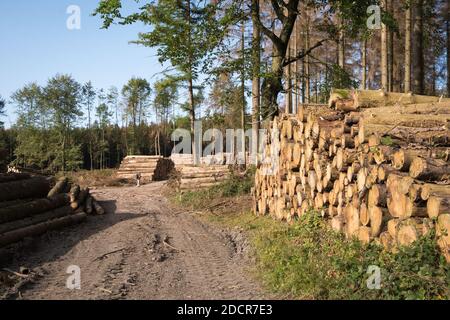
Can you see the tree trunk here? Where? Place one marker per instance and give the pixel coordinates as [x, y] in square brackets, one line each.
[448, 48]
[272, 86]
[191, 91]
[256, 80]
[243, 92]
[419, 63]
[384, 53]
[364, 65]
[307, 64]
[341, 45]
[391, 76]
[288, 99]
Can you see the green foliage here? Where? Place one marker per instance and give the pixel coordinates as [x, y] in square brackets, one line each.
[225, 99]
[2, 110]
[185, 33]
[236, 185]
[341, 79]
[46, 118]
[166, 95]
[308, 260]
[387, 141]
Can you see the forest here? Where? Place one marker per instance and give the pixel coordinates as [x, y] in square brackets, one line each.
[231, 64]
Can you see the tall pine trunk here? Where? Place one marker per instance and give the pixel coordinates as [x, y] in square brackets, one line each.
[341, 44]
[408, 17]
[307, 60]
[448, 48]
[243, 92]
[384, 53]
[256, 51]
[192, 119]
[419, 63]
[364, 64]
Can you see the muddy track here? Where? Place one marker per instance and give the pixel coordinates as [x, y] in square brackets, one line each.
[143, 249]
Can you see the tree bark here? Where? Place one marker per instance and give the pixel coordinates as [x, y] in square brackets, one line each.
[191, 89]
[243, 149]
[32, 188]
[256, 80]
[448, 48]
[38, 229]
[364, 65]
[307, 64]
[419, 63]
[272, 84]
[32, 208]
[384, 52]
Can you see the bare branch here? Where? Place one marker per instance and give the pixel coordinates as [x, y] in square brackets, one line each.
[278, 11]
[302, 54]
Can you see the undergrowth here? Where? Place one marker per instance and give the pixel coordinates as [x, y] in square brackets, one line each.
[307, 260]
[237, 185]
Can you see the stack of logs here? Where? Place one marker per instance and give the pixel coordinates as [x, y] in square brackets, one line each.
[411, 118]
[151, 168]
[190, 177]
[30, 206]
[375, 186]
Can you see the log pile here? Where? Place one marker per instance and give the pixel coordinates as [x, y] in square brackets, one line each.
[151, 168]
[375, 186]
[30, 206]
[180, 159]
[406, 117]
[199, 177]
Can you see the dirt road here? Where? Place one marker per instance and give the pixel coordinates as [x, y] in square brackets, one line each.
[141, 250]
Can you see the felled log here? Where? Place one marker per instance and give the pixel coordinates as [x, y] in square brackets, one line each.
[98, 208]
[88, 206]
[40, 228]
[79, 202]
[74, 193]
[437, 206]
[35, 207]
[60, 186]
[36, 219]
[37, 187]
[443, 234]
[359, 180]
[11, 203]
[8, 177]
[380, 98]
[429, 169]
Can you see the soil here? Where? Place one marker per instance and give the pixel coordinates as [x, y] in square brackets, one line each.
[143, 248]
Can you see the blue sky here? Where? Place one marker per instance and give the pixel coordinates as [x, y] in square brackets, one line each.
[36, 44]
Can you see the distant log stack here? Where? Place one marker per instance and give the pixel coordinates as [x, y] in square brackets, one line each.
[390, 185]
[30, 206]
[151, 168]
[199, 177]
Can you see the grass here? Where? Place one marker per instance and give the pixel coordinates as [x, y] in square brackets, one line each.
[235, 186]
[307, 260]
